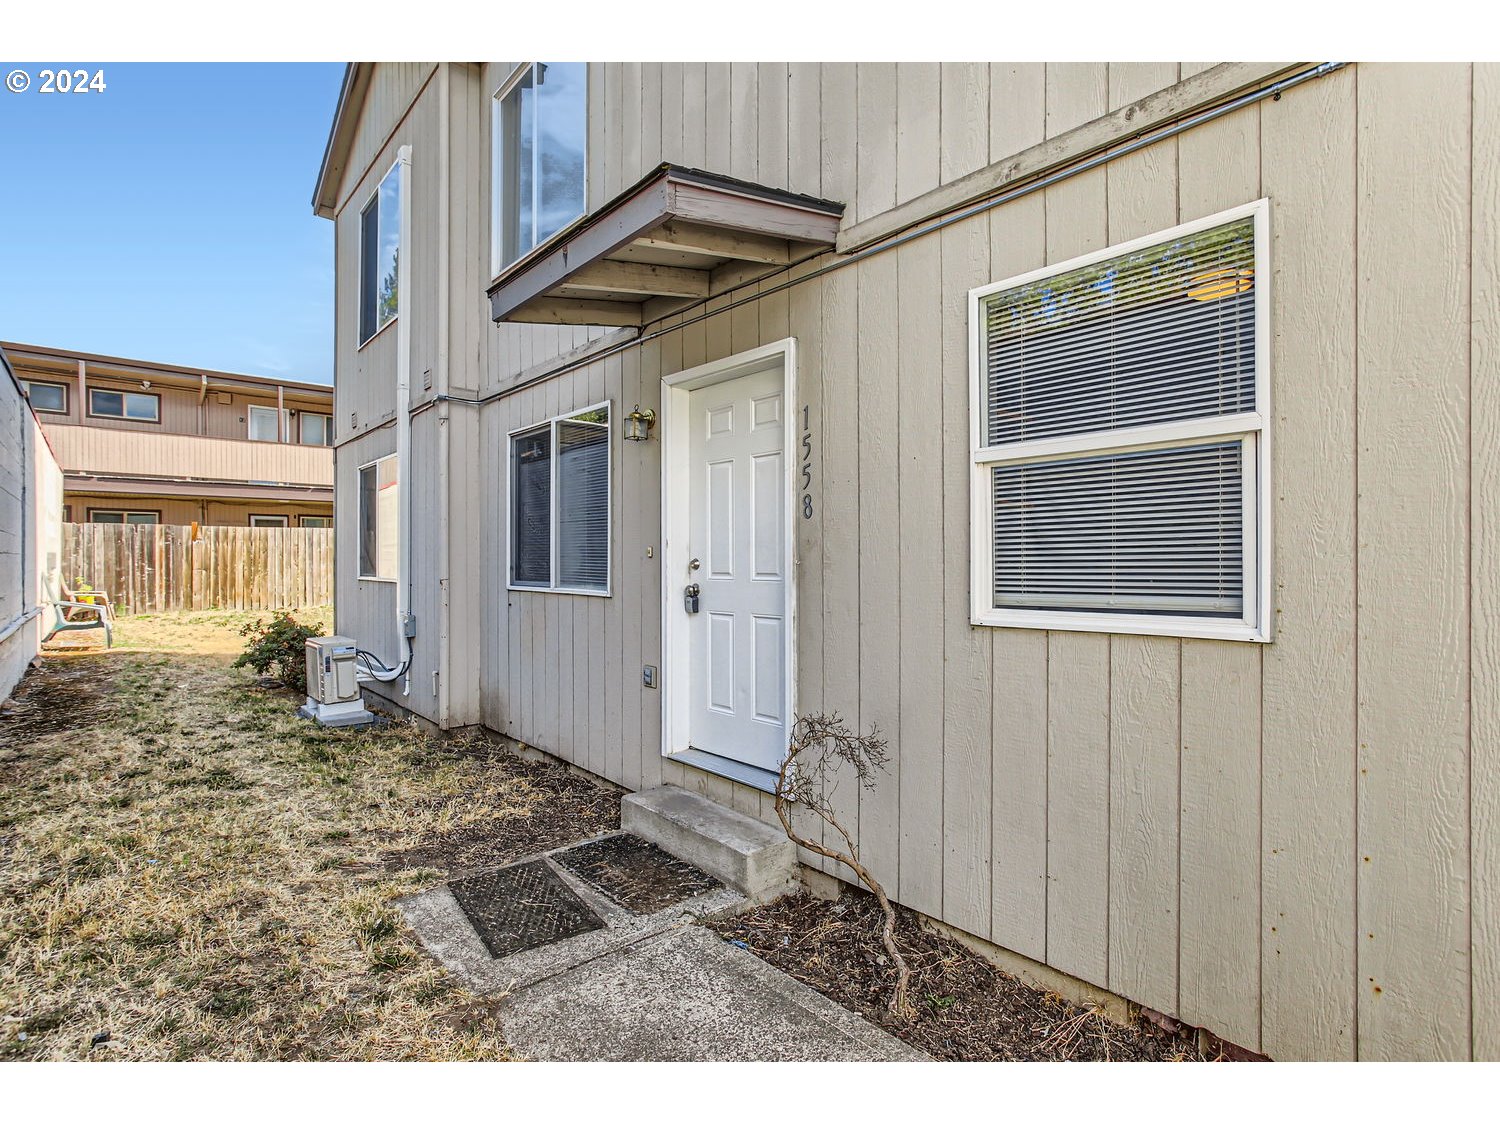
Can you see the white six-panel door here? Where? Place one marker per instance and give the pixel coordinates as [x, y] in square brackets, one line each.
[737, 492]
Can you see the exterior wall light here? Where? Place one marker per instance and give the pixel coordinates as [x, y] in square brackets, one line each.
[638, 424]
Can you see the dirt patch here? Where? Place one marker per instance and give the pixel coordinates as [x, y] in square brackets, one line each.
[636, 874]
[561, 806]
[62, 693]
[192, 870]
[967, 1010]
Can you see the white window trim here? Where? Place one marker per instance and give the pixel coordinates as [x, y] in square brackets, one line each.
[497, 269]
[400, 245]
[285, 520]
[250, 426]
[1252, 427]
[327, 428]
[359, 518]
[609, 505]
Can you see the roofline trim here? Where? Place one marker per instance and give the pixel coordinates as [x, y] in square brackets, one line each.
[340, 137]
[17, 351]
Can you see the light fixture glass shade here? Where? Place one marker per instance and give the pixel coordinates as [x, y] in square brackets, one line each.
[638, 424]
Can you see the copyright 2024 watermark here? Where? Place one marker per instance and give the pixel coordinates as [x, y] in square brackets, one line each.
[56, 80]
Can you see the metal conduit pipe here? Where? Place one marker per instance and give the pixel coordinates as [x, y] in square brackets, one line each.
[1173, 129]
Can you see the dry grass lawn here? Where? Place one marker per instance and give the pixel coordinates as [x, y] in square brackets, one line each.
[192, 871]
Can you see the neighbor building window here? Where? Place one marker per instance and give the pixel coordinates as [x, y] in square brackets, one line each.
[316, 521]
[540, 139]
[559, 504]
[47, 398]
[268, 521]
[132, 405]
[315, 429]
[263, 423]
[98, 515]
[379, 256]
[1120, 470]
[379, 518]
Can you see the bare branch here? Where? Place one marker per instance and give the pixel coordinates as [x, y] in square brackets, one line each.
[820, 747]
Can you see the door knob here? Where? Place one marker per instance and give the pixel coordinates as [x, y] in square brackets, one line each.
[690, 598]
[694, 564]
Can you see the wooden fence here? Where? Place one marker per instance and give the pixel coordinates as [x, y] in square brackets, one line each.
[161, 568]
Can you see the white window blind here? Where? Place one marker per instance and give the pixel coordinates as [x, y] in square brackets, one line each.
[559, 504]
[1119, 437]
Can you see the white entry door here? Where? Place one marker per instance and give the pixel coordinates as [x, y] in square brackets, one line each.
[737, 641]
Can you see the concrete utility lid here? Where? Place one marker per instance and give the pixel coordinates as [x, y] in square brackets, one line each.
[677, 238]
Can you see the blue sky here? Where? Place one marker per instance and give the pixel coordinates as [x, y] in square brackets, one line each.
[168, 218]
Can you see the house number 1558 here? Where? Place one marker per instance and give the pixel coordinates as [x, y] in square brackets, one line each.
[806, 465]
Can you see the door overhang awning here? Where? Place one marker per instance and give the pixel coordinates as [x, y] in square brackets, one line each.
[677, 238]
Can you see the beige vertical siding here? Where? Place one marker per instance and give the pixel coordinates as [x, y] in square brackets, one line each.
[1276, 842]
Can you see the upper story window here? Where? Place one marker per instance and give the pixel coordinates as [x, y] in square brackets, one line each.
[379, 255]
[540, 141]
[264, 422]
[1119, 471]
[47, 398]
[132, 405]
[315, 429]
[100, 515]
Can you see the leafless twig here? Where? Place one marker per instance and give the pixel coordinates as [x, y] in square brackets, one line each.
[820, 746]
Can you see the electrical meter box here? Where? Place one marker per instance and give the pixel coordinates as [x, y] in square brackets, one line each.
[333, 697]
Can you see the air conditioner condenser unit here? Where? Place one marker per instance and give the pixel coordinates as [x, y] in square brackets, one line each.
[333, 697]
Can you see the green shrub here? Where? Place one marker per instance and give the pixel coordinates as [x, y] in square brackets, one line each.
[279, 649]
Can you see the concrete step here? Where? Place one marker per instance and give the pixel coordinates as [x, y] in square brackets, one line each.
[754, 858]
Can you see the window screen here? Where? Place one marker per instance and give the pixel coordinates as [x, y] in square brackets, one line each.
[531, 508]
[1119, 433]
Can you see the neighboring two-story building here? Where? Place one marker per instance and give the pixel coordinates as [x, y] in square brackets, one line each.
[1117, 438]
[144, 442]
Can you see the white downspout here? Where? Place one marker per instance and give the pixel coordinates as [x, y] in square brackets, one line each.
[404, 624]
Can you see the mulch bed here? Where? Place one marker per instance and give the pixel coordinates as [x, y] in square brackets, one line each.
[967, 1010]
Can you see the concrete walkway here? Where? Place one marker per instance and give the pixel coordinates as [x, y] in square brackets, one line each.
[654, 987]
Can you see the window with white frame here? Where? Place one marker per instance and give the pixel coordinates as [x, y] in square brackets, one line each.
[315, 429]
[316, 521]
[379, 256]
[379, 518]
[559, 504]
[540, 140]
[1120, 461]
[268, 521]
[264, 423]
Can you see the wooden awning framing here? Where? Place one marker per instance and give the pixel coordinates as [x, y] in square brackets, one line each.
[675, 239]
